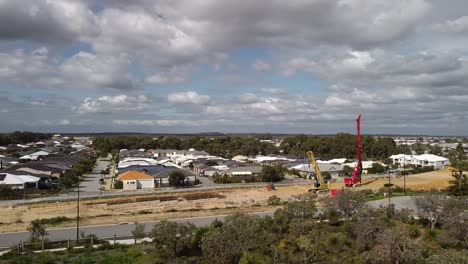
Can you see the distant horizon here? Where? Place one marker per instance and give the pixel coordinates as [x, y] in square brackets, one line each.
[233, 133]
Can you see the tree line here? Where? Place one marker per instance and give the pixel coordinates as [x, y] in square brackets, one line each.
[325, 147]
[19, 137]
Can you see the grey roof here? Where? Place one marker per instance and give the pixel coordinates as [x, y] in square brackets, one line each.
[165, 174]
[253, 169]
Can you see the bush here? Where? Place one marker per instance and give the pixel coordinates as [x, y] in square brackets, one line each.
[414, 231]
[118, 185]
[55, 220]
[273, 200]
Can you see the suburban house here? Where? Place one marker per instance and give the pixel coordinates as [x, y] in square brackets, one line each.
[366, 165]
[162, 178]
[133, 180]
[333, 169]
[244, 171]
[35, 155]
[19, 181]
[424, 160]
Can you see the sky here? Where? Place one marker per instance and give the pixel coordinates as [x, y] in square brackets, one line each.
[187, 66]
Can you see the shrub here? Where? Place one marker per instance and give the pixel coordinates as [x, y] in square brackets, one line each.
[118, 185]
[274, 200]
[414, 231]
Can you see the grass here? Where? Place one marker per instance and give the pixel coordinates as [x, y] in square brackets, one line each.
[56, 220]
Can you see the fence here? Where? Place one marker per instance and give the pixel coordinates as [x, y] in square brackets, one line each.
[46, 245]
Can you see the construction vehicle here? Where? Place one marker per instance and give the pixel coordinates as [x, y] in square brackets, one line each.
[271, 187]
[319, 184]
[356, 178]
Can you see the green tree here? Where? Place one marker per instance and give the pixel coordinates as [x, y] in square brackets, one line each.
[376, 168]
[176, 178]
[37, 231]
[459, 185]
[272, 173]
[238, 234]
[138, 232]
[172, 238]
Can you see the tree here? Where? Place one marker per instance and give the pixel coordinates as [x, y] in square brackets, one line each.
[376, 168]
[295, 210]
[346, 171]
[37, 231]
[176, 178]
[272, 173]
[138, 232]
[238, 234]
[459, 186]
[118, 185]
[395, 247]
[172, 238]
[346, 202]
[430, 207]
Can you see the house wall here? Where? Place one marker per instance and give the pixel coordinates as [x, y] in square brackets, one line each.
[145, 184]
[130, 185]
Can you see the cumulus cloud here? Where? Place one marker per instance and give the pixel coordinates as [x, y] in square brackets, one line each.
[117, 103]
[189, 97]
[55, 22]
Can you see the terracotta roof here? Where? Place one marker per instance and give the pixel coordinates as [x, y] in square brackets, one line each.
[135, 175]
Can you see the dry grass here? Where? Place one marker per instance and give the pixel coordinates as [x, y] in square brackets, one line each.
[154, 207]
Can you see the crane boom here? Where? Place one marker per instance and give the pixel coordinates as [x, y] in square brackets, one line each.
[320, 184]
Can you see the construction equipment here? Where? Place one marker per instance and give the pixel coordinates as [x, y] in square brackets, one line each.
[319, 184]
[356, 178]
[271, 187]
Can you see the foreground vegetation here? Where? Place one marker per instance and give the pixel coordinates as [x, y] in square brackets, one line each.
[347, 232]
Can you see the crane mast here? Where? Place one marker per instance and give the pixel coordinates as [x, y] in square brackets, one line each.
[356, 178]
[320, 182]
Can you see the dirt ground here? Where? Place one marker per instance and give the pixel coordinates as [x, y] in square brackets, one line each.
[179, 205]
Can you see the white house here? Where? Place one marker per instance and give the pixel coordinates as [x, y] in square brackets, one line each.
[18, 181]
[133, 180]
[424, 160]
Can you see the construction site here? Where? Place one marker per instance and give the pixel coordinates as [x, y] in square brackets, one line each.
[190, 204]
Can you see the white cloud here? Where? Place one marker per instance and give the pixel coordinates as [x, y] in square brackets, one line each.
[273, 91]
[189, 97]
[117, 103]
[248, 98]
[261, 66]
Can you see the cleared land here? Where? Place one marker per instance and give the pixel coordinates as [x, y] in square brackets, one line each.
[189, 204]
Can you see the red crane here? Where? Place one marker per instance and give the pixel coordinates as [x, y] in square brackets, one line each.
[350, 182]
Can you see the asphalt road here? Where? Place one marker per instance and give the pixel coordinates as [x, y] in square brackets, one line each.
[105, 231]
[124, 229]
[91, 183]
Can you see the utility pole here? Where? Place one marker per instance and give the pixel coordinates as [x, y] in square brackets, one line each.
[78, 213]
[389, 189]
[404, 174]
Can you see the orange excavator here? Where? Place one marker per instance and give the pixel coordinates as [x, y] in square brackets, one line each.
[356, 178]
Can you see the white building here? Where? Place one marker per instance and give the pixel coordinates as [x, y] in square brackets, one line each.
[18, 181]
[424, 160]
[133, 180]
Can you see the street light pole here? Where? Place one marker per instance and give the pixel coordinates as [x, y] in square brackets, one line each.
[389, 189]
[78, 213]
[404, 174]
